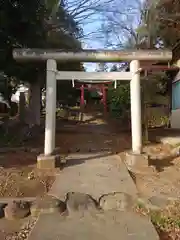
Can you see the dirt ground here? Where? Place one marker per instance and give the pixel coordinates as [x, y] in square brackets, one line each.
[20, 178]
[18, 174]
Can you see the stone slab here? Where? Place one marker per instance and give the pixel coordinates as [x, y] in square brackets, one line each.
[101, 226]
[26, 199]
[175, 140]
[94, 174]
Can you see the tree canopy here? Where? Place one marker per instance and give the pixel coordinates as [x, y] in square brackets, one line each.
[34, 24]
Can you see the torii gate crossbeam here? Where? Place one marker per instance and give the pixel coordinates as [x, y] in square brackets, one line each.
[91, 55]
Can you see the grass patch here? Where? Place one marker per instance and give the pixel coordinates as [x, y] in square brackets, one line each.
[166, 221]
[163, 222]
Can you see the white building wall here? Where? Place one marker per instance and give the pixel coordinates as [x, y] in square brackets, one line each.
[175, 118]
[175, 113]
[15, 97]
[177, 77]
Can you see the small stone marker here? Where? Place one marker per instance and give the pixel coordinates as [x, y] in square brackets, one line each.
[116, 201]
[16, 210]
[159, 202]
[48, 204]
[2, 206]
[76, 201]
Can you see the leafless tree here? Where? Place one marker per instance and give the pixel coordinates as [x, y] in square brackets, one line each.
[106, 19]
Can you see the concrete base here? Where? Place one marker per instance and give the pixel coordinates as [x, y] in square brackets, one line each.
[131, 158]
[48, 161]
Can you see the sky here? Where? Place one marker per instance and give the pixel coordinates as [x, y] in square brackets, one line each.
[123, 11]
[94, 24]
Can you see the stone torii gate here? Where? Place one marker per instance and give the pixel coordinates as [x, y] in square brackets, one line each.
[48, 158]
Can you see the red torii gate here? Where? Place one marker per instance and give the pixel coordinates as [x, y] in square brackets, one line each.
[103, 86]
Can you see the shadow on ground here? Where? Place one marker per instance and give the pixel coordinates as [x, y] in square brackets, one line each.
[161, 164]
[76, 161]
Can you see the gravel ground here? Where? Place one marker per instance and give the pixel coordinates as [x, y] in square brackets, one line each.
[161, 175]
[24, 231]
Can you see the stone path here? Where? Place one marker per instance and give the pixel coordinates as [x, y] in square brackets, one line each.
[95, 174]
[107, 226]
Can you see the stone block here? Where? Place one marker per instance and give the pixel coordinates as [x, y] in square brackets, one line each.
[116, 201]
[2, 206]
[16, 210]
[76, 201]
[47, 204]
[159, 202]
[48, 161]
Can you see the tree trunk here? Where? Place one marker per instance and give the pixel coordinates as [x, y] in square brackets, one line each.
[146, 133]
[35, 103]
[22, 107]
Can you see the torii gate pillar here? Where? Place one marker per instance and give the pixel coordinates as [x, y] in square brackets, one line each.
[48, 159]
[135, 94]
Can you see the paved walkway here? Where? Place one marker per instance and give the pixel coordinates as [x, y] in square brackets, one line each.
[107, 226]
[95, 174]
